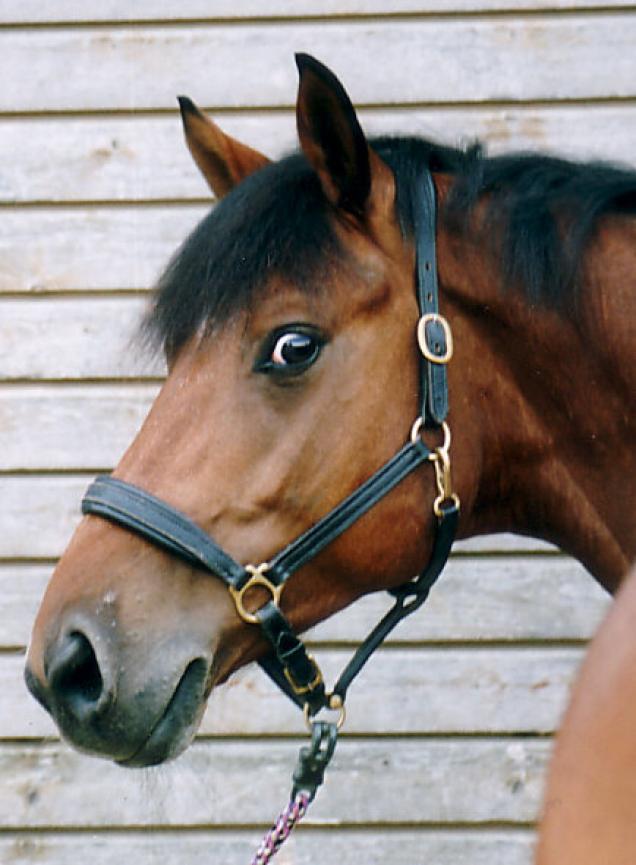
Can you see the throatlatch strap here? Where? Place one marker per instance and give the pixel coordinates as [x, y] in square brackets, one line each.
[409, 598]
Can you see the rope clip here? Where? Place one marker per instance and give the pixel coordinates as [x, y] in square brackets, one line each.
[313, 759]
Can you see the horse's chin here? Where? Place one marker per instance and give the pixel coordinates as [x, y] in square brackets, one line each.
[176, 728]
[163, 744]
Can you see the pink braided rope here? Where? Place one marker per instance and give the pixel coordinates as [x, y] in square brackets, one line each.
[281, 829]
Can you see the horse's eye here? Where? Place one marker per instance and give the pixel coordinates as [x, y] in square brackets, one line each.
[291, 351]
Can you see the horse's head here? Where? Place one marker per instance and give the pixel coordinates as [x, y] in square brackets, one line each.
[288, 319]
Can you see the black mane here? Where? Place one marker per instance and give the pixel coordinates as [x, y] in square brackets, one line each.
[539, 215]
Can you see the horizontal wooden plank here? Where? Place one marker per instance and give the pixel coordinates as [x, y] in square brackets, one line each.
[560, 57]
[74, 11]
[521, 598]
[461, 691]
[19, 490]
[21, 590]
[87, 427]
[71, 338]
[342, 845]
[490, 599]
[40, 512]
[38, 515]
[70, 427]
[69, 249]
[226, 783]
[503, 543]
[145, 158]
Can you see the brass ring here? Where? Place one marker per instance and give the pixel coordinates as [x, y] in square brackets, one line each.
[416, 433]
[418, 423]
[335, 704]
[437, 504]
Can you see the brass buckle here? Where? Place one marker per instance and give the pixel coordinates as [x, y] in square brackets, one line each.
[299, 690]
[421, 338]
[258, 578]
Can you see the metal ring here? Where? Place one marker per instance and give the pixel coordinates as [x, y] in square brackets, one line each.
[418, 423]
[336, 704]
[437, 504]
[258, 578]
[416, 432]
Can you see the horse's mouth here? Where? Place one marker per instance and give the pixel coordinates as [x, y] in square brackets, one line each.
[177, 726]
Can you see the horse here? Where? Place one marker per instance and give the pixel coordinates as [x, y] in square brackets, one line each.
[589, 811]
[295, 341]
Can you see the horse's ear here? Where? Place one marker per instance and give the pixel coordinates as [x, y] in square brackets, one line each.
[350, 172]
[222, 160]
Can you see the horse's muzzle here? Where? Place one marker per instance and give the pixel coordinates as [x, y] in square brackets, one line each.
[101, 707]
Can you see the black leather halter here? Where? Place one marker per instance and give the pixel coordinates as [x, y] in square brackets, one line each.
[290, 665]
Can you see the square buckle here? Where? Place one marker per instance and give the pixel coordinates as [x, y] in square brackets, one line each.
[316, 682]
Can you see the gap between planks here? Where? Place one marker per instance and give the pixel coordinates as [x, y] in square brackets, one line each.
[521, 12]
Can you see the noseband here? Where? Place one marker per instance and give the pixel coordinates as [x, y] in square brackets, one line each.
[289, 664]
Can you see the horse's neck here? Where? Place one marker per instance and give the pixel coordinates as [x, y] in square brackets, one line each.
[545, 405]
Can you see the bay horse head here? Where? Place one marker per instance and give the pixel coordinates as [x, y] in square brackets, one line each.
[289, 321]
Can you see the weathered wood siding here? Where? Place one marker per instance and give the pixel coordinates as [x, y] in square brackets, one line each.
[449, 727]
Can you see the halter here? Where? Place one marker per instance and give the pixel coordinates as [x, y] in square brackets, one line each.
[291, 667]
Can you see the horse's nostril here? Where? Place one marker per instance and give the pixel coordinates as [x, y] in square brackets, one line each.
[74, 676]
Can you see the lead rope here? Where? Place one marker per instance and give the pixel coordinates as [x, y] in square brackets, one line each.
[313, 759]
[281, 830]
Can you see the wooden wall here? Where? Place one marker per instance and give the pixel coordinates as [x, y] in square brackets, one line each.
[449, 728]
